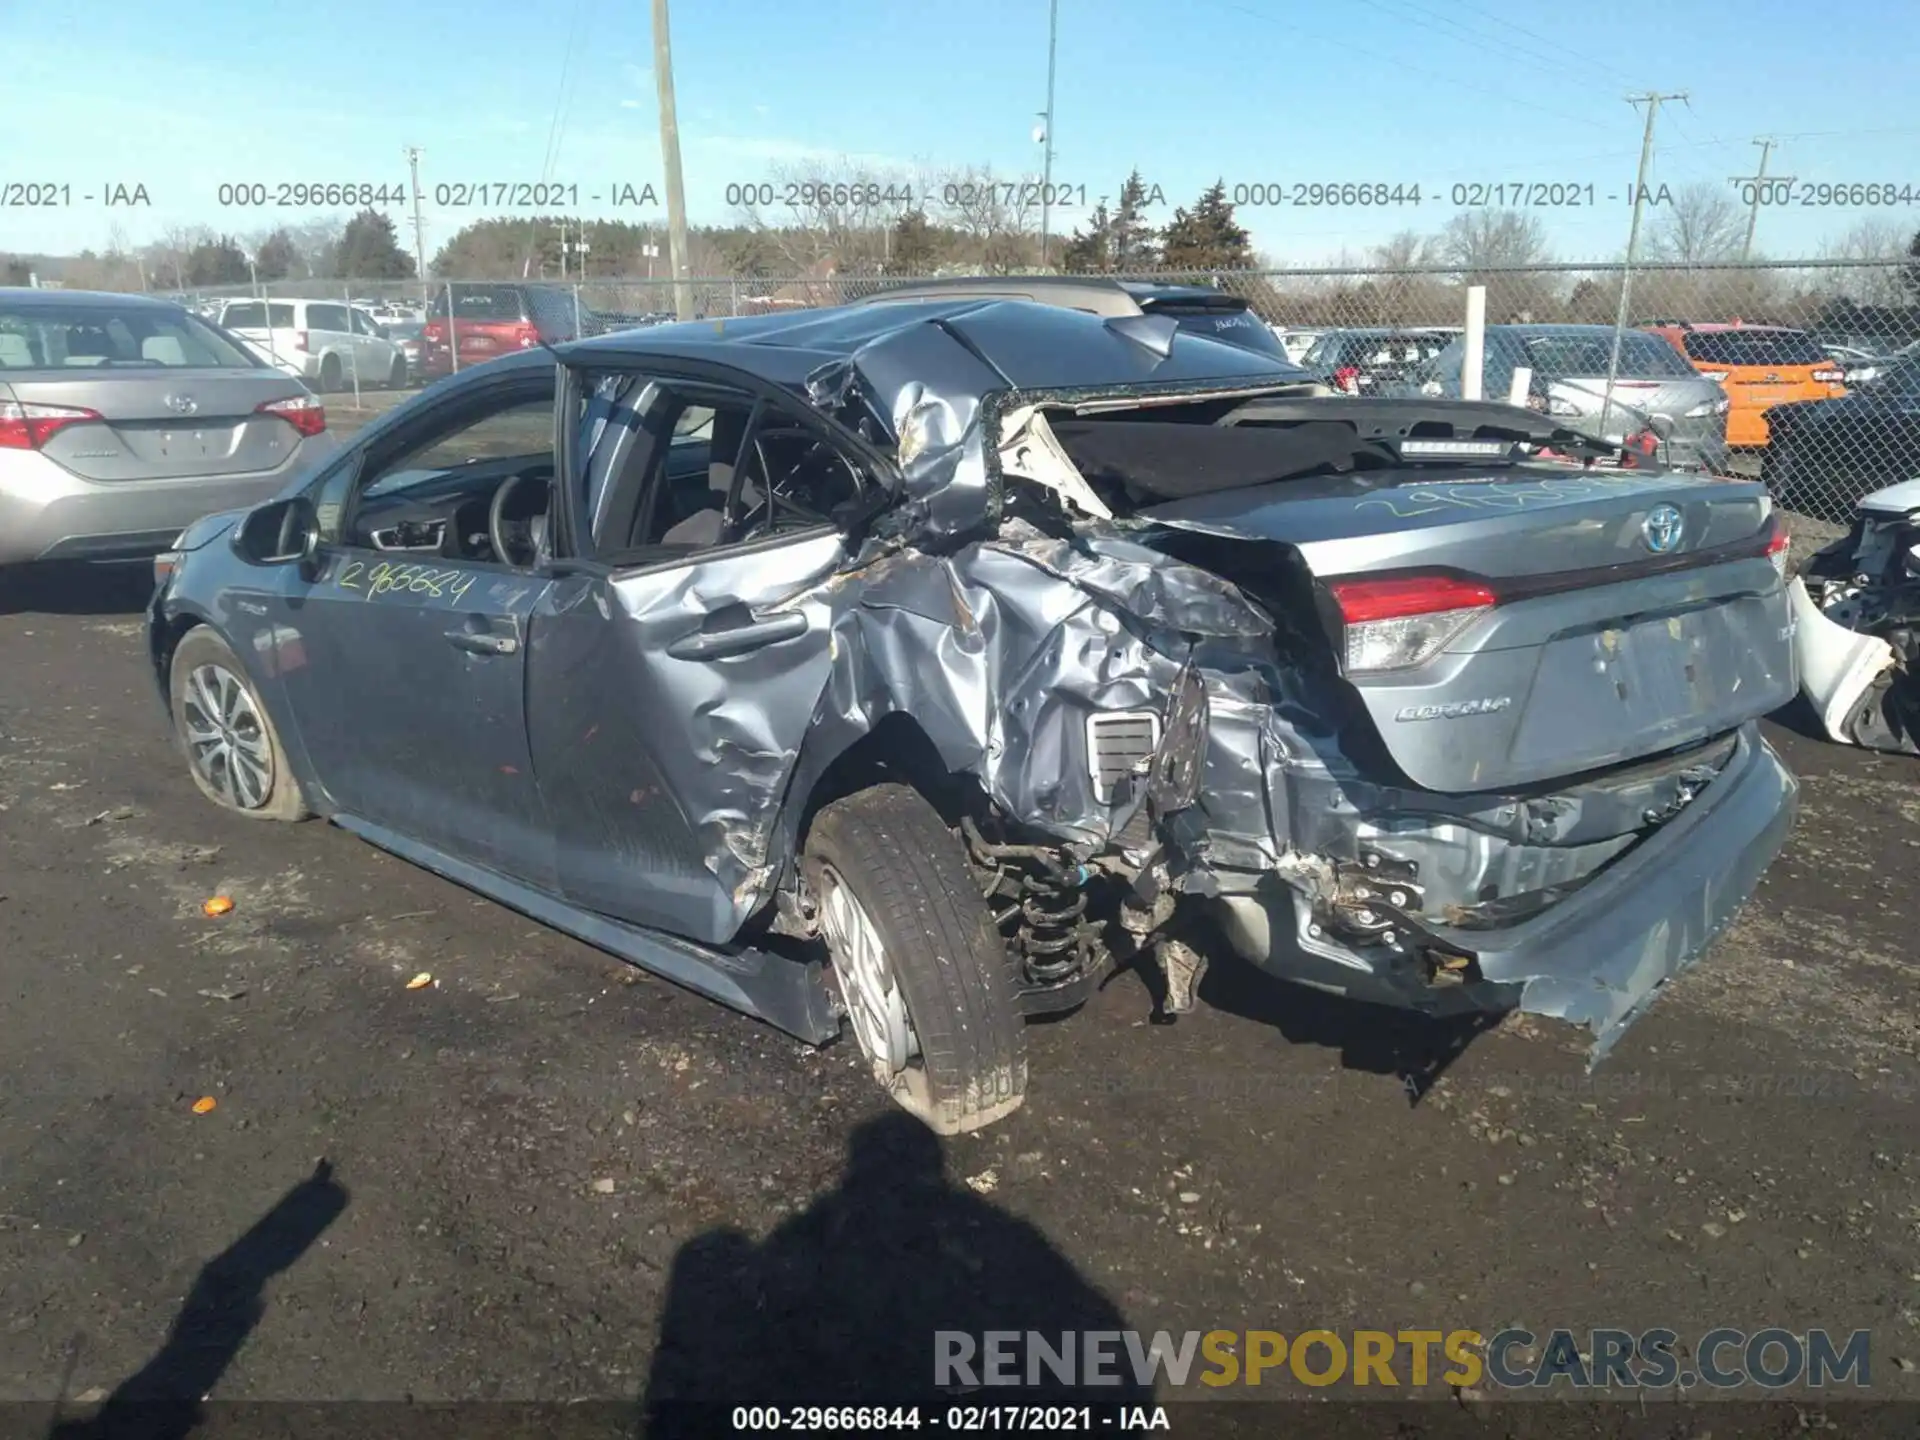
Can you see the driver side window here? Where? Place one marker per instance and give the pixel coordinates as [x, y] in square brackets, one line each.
[430, 485]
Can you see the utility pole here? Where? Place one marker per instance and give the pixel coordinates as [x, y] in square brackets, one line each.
[1046, 133]
[1653, 101]
[419, 228]
[563, 252]
[1759, 183]
[670, 156]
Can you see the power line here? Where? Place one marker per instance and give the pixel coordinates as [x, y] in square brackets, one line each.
[1584, 58]
[1478, 39]
[1402, 67]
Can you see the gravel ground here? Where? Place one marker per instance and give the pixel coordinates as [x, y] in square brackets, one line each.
[547, 1177]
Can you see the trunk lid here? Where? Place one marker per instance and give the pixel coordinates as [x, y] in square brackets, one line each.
[1610, 637]
[165, 424]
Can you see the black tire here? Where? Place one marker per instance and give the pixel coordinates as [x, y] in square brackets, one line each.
[397, 376]
[201, 647]
[895, 856]
[329, 374]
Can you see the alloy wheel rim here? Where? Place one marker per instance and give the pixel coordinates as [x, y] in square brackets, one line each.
[875, 1004]
[226, 738]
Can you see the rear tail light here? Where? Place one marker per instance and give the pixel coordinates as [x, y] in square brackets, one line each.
[30, 426]
[1710, 407]
[1347, 378]
[1402, 621]
[434, 333]
[526, 335]
[299, 339]
[1827, 377]
[167, 561]
[1717, 376]
[1778, 545]
[303, 412]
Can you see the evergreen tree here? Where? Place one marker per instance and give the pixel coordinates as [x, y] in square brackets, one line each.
[369, 249]
[277, 257]
[1133, 244]
[1207, 237]
[914, 248]
[1090, 252]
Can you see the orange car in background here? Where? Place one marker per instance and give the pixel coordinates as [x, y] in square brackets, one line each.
[1759, 366]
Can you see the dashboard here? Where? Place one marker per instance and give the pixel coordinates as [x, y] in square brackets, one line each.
[444, 512]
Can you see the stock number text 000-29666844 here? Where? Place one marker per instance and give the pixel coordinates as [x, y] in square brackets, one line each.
[388, 579]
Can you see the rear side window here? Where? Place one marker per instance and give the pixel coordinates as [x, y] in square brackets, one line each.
[94, 336]
[252, 315]
[328, 317]
[1754, 347]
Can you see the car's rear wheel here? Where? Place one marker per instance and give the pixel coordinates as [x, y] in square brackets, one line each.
[397, 376]
[329, 373]
[927, 980]
[231, 748]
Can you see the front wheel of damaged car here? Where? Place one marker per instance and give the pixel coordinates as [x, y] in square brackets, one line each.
[231, 748]
[925, 976]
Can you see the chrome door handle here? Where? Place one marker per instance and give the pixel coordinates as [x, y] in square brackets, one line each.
[479, 642]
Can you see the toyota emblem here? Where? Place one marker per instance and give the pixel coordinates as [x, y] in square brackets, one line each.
[1663, 529]
[182, 404]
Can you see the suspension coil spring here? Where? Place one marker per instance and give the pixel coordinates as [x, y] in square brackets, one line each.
[1043, 900]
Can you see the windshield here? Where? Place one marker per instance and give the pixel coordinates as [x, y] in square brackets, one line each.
[1754, 347]
[89, 336]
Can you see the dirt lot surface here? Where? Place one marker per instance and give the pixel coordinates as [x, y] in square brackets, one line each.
[512, 1182]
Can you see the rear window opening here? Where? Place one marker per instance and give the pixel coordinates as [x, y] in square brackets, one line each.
[501, 305]
[1754, 347]
[93, 336]
[253, 315]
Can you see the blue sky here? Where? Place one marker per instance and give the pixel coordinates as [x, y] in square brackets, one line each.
[183, 97]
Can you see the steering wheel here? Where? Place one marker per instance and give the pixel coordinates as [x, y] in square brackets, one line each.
[510, 537]
[760, 518]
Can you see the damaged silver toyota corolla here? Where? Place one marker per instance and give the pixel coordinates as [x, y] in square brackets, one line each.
[906, 666]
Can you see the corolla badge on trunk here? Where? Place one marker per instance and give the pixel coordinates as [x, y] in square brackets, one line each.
[1663, 529]
[1455, 709]
[182, 404]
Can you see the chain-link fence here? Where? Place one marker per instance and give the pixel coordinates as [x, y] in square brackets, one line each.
[1806, 374]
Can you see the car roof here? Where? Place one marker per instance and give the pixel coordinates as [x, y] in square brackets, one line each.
[1100, 294]
[26, 297]
[1028, 344]
[1714, 327]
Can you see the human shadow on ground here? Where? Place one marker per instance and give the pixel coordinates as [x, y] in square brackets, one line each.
[162, 1400]
[843, 1304]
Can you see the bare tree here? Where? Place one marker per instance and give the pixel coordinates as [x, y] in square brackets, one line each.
[1401, 251]
[1479, 240]
[167, 257]
[1872, 255]
[836, 214]
[997, 216]
[1703, 223]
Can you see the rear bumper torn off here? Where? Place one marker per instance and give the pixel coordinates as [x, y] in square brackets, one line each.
[1598, 956]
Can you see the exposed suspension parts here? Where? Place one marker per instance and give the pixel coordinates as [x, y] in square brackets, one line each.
[1039, 900]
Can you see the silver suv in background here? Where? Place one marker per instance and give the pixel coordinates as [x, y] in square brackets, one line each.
[123, 420]
[1569, 382]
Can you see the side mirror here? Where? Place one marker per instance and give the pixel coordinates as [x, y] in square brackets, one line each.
[1661, 426]
[280, 532]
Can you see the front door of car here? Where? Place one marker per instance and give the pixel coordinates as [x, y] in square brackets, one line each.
[411, 701]
[675, 674]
